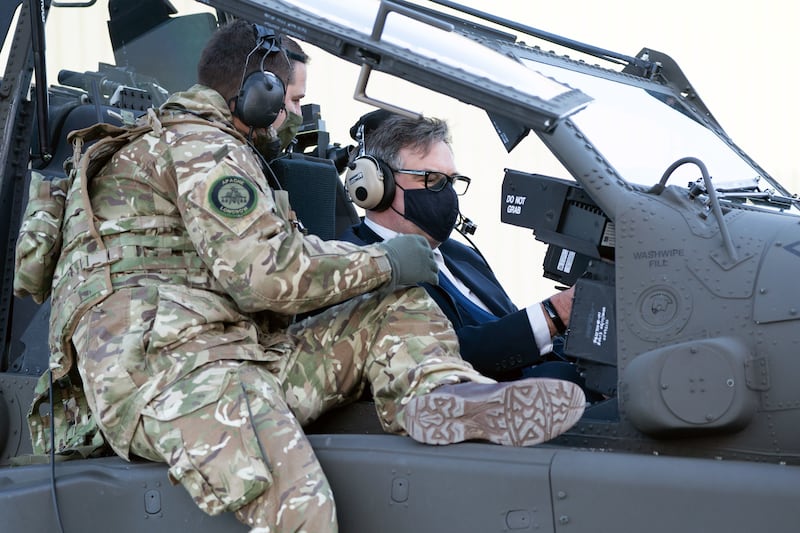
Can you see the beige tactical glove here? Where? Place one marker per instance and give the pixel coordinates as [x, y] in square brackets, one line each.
[412, 262]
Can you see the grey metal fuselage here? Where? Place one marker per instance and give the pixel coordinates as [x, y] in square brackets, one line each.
[685, 317]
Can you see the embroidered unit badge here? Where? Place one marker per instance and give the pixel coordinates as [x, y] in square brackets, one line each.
[232, 196]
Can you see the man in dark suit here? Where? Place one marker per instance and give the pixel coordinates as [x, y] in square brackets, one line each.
[405, 178]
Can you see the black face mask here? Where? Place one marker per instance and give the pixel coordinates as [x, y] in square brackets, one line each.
[434, 212]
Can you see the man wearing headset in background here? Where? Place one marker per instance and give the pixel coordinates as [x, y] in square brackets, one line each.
[295, 92]
[174, 295]
[406, 180]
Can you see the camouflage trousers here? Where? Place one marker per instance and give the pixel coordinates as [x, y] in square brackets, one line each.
[231, 429]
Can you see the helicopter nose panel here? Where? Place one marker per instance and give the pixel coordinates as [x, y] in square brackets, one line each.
[778, 299]
[692, 387]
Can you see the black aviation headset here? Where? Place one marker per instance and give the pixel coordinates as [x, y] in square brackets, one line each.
[260, 98]
[369, 181]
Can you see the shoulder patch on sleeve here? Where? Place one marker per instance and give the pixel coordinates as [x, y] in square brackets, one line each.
[232, 196]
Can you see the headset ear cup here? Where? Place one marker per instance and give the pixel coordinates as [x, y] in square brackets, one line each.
[364, 182]
[388, 186]
[370, 183]
[260, 99]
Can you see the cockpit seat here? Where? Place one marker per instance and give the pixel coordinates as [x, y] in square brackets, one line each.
[316, 194]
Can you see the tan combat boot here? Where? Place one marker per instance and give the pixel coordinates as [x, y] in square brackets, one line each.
[515, 413]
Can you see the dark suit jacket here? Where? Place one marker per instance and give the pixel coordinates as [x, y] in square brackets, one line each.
[498, 348]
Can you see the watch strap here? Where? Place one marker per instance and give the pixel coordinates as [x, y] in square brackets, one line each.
[550, 309]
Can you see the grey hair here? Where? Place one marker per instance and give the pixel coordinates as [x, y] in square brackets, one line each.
[398, 132]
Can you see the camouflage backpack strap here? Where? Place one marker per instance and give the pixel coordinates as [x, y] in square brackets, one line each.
[108, 139]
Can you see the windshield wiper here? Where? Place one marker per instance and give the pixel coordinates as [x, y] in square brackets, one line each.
[747, 193]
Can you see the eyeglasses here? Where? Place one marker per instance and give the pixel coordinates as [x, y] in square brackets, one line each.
[436, 181]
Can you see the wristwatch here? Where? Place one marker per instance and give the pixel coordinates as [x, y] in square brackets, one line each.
[550, 309]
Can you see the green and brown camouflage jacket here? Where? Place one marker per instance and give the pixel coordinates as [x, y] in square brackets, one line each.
[180, 202]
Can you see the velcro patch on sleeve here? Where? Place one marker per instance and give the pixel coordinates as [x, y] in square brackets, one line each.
[229, 198]
[232, 196]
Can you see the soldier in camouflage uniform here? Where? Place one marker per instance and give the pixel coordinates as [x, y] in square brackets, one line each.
[174, 292]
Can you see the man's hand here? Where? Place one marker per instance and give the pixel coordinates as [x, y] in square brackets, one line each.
[412, 262]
